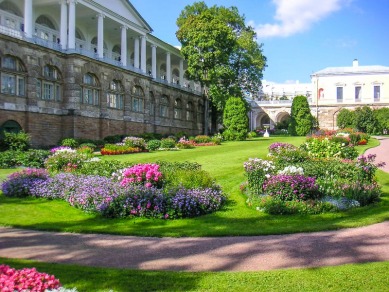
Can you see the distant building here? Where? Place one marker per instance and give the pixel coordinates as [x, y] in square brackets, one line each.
[90, 69]
[331, 90]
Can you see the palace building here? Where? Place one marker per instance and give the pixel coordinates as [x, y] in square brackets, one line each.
[90, 69]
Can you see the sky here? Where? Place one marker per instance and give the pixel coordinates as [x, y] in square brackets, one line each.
[299, 37]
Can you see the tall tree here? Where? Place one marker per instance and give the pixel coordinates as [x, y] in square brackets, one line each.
[221, 51]
[235, 119]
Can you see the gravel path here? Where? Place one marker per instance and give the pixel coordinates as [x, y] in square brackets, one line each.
[246, 253]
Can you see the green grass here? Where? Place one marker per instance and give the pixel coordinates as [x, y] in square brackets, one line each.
[353, 277]
[225, 163]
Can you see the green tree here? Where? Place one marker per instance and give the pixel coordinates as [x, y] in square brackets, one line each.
[366, 121]
[221, 51]
[346, 119]
[235, 119]
[301, 119]
[382, 117]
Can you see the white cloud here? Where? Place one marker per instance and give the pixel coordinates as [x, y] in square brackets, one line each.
[295, 16]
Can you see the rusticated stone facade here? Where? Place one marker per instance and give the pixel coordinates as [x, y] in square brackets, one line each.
[49, 120]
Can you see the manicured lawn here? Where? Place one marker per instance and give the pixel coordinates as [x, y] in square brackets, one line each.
[225, 163]
[356, 277]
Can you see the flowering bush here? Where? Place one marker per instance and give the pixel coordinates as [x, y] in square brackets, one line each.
[185, 144]
[19, 184]
[85, 149]
[66, 160]
[102, 167]
[135, 142]
[26, 280]
[136, 200]
[202, 139]
[292, 170]
[116, 149]
[278, 147]
[291, 187]
[195, 202]
[367, 167]
[61, 148]
[319, 148]
[256, 171]
[362, 192]
[142, 174]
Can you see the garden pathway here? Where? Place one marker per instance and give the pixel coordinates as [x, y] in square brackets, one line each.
[246, 253]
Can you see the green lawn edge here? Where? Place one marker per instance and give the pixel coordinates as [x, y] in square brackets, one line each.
[225, 163]
[350, 277]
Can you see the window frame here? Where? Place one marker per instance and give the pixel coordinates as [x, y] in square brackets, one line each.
[12, 76]
[115, 95]
[90, 90]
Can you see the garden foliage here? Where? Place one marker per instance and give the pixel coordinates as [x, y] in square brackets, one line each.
[235, 119]
[301, 120]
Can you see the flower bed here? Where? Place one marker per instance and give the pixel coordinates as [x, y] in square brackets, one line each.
[139, 190]
[303, 180]
[26, 280]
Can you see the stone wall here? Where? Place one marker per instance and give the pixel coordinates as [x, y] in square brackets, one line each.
[49, 121]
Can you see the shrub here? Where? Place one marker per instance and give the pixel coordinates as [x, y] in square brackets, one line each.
[136, 200]
[185, 144]
[195, 202]
[105, 168]
[19, 184]
[202, 139]
[85, 149]
[142, 174]
[26, 280]
[134, 142]
[277, 148]
[256, 171]
[217, 139]
[252, 134]
[69, 142]
[168, 143]
[301, 119]
[30, 158]
[188, 179]
[153, 145]
[235, 119]
[89, 144]
[114, 149]
[320, 148]
[291, 187]
[367, 167]
[113, 139]
[346, 119]
[67, 161]
[17, 141]
[287, 157]
[274, 206]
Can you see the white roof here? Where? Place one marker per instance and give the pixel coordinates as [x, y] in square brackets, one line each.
[375, 69]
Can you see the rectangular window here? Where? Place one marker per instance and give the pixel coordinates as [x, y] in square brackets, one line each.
[377, 93]
[20, 86]
[358, 93]
[48, 91]
[339, 94]
[58, 94]
[38, 89]
[115, 100]
[164, 111]
[88, 96]
[8, 84]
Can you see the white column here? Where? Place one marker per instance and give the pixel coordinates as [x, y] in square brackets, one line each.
[28, 25]
[143, 54]
[123, 53]
[168, 68]
[181, 72]
[154, 61]
[136, 52]
[64, 24]
[72, 24]
[100, 35]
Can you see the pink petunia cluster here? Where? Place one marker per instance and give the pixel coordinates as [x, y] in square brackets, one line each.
[147, 174]
[26, 280]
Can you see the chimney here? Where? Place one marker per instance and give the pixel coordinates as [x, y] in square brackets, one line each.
[355, 63]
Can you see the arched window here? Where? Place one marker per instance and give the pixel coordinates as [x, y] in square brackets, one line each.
[189, 111]
[10, 126]
[164, 106]
[13, 76]
[45, 21]
[49, 87]
[177, 109]
[115, 95]
[90, 89]
[137, 99]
